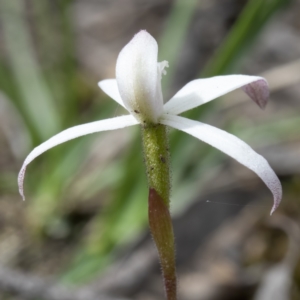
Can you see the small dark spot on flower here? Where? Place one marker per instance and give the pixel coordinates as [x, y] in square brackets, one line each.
[136, 111]
[162, 159]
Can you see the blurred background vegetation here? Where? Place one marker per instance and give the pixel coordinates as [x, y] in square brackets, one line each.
[85, 219]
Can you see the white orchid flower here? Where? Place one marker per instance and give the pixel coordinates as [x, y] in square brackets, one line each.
[137, 88]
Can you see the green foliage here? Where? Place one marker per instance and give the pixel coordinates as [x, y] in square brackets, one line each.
[249, 24]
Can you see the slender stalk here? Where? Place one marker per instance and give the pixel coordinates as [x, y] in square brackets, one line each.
[157, 161]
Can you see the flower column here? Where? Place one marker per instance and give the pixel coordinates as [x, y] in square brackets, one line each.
[156, 156]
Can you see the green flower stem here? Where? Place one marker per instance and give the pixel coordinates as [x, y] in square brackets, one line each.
[157, 160]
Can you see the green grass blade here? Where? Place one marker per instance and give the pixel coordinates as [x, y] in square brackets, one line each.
[36, 97]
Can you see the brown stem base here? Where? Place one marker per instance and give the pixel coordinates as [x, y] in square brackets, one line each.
[162, 232]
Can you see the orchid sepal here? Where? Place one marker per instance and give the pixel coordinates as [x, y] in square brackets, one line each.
[232, 146]
[201, 91]
[72, 133]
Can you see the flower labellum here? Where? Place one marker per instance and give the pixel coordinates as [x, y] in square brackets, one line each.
[137, 88]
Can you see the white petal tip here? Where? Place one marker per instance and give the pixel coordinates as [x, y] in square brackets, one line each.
[141, 37]
[21, 182]
[258, 91]
[277, 198]
[101, 84]
[275, 205]
[142, 32]
[273, 210]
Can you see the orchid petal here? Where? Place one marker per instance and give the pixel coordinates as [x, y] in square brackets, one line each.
[72, 133]
[110, 87]
[200, 91]
[137, 77]
[232, 146]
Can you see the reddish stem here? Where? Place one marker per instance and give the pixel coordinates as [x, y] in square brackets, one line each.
[162, 232]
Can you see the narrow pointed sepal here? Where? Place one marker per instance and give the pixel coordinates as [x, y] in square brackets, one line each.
[200, 91]
[72, 133]
[162, 232]
[232, 146]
